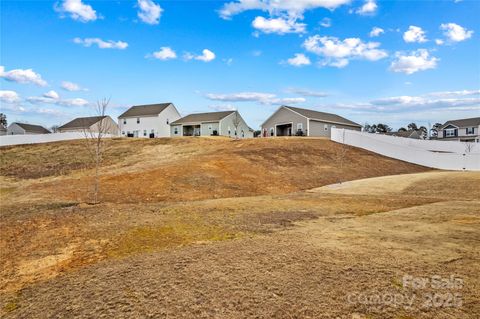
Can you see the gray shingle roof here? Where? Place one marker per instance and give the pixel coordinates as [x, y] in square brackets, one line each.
[470, 122]
[322, 116]
[33, 128]
[203, 117]
[145, 110]
[82, 122]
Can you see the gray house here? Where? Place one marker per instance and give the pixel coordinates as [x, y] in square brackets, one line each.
[227, 123]
[288, 121]
[464, 130]
[23, 128]
[90, 124]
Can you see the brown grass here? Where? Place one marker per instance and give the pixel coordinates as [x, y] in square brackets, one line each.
[195, 169]
[175, 233]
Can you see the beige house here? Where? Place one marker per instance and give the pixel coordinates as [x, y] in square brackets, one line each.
[464, 130]
[288, 121]
[90, 124]
[227, 123]
[23, 128]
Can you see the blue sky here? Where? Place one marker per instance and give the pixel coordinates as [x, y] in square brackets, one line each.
[394, 62]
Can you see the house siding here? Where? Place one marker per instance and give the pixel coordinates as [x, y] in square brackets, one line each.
[112, 128]
[462, 134]
[284, 116]
[227, 123]
[14, 129]
[317, 128]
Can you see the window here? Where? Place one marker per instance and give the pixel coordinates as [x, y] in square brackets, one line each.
[123, 132]
[272, 131]
[229, 131]
[470, 130]
[175, 130]
[168, 122]
[124, 121]
[325, 127]
[152, 131]
[209, 127]
[299, 126]
[450, 132]
[138, 120]
[144, 132]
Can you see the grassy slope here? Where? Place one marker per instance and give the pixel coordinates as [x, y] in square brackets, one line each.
[193, 169]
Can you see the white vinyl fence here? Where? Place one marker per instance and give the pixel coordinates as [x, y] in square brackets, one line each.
[436, 154]
[7, 140]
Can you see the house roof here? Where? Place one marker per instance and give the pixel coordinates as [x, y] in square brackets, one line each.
[473, 121]
[32, 128]
[408, 133]
[320, 116]
[203, 117]
[145, 110]
[82, 122]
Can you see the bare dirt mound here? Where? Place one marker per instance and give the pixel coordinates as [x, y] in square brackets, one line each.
[185, 169]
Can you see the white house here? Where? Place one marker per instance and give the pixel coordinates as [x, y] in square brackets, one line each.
[151, 120]
[23, 128]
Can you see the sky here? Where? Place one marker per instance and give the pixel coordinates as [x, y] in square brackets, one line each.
[392, 62]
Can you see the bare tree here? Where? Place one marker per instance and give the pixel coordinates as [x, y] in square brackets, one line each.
[94, 142]
[236, 123]
[469, 146]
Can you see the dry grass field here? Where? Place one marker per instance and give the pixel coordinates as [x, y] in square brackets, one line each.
[214, 228]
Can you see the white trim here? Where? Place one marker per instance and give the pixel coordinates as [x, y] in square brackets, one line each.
[333, 122]
[291, 128]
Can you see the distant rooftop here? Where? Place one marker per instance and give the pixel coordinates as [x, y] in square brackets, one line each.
[82, 122]
[33, 128]
[203, 117]
[470, 122]
[145, 110]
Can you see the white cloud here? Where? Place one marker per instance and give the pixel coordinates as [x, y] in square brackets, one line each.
[165, 53]
[449, 100]
[292, 8]
[455, 32]
[439, 42]
[376, 31]
[9, 96]
[419, 60]
[70, 86]
[262, 98]
[447, 94]
[414, 34]
[206, 56]
[223, 107]
[22, 76]
[278, 25]
[298, 60]
[369, 7]
[326, 22]
[52, 95]
[338, 52]
[77, 10]
[149, 12]
[306, 92]
[88, 42]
